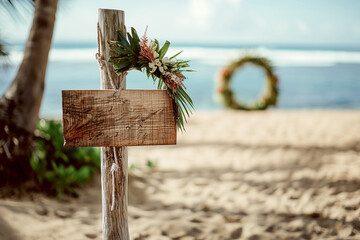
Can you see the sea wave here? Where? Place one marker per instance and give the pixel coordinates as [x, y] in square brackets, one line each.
[219, 56]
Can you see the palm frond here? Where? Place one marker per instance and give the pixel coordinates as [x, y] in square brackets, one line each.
[16, 9]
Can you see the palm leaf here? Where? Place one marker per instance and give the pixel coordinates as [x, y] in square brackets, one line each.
[176, 54]
[164, 49]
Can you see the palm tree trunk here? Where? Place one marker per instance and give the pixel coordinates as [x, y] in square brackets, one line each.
[20, 104]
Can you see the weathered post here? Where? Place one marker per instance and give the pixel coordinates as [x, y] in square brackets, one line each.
[115, 221]
[113, 118]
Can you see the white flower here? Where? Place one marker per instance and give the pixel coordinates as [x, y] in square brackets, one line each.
[170, 61]
[153, 47]
[156, 55]
[165, 60]
[176, 79]
[152, 66]
[158, 62]
[161, 69]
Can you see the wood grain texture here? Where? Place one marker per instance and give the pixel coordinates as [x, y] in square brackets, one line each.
[114, 223]
[97, 118]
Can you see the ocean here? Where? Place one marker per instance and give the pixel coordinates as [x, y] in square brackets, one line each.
[311, 77]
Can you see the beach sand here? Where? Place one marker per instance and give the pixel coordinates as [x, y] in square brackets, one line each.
[232, 175]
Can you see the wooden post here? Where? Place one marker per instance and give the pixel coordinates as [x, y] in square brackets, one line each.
[115, 222]
[115, 119]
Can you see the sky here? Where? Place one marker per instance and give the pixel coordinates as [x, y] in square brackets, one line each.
[320, 22]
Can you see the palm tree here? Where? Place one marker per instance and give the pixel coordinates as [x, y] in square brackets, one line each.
[20, 104]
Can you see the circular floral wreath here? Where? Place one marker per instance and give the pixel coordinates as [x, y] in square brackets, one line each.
[269, 96]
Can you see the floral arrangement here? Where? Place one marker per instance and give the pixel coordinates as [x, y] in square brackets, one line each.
[269, 96]
[141, 54]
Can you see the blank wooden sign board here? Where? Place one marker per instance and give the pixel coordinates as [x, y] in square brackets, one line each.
[98, 118]
[113, 119]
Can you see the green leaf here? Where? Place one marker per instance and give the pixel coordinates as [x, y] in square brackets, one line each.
[136, 39]
[164, 49]
[122, 64]
[83, 174]
[184, 107]
[157, 45]
[184, 94]
[34, 163]
[123, 42]
[134, 34]
[134, 166]
[134, 44]
[131, 40]
[180, 121]
[160, 84]
[176, 55]
[151, 164]
[118, 49]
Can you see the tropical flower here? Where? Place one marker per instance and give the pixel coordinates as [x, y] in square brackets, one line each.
[158, 62]
[161, 69]
[164, 61]
[152, 66]
[148, 50]
[174, 80]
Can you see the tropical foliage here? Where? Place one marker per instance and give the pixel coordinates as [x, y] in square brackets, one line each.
[132, 52]
[61, 169]
[12, 9]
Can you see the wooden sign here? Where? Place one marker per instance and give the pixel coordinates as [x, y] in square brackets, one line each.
[94, 118]
[113, 119]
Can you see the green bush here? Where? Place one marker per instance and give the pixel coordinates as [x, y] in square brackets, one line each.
[61, 169]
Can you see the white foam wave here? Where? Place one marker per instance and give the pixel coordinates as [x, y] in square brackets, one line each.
[62, 55]
[219, 56]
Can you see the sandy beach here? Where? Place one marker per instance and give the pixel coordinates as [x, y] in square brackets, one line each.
[232, 175]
